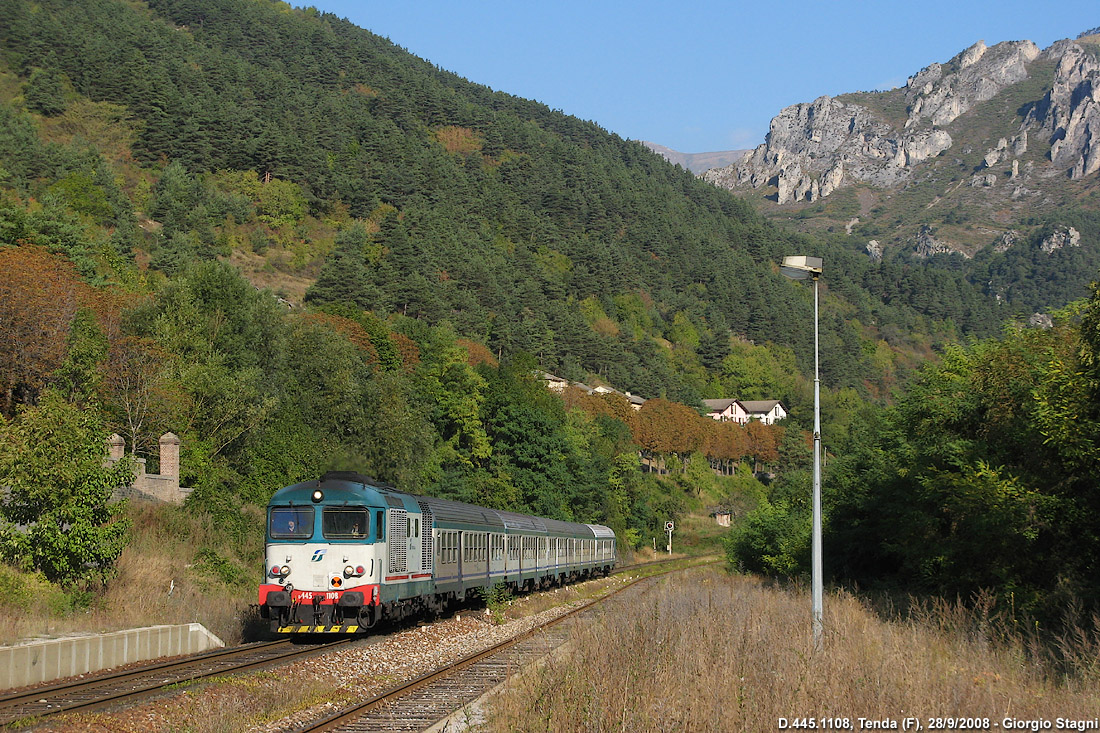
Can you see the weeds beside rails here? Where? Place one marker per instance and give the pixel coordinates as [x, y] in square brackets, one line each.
[497, 599]
[707, 651]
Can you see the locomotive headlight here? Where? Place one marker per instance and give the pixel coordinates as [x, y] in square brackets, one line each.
[275, 571]
[284, 570]
[317, 495]
[359, 570]
[349, 571]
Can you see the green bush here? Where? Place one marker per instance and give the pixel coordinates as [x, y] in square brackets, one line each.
[497, 598]
[211, 563]
[31, 593]
[771, 540]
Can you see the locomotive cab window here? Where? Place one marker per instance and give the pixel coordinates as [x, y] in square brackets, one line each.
[290, 522]
[345, 523]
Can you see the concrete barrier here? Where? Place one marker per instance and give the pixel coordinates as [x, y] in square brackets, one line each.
[41, 661]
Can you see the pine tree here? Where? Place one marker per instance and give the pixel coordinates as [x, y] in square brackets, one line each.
[344, 277]
[44, 92]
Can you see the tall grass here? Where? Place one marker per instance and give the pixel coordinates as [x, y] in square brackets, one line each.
[713, 652]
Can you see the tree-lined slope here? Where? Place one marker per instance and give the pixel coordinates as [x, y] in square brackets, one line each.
[524, 227]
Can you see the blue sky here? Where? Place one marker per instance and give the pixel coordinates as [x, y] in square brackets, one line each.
[699, 76]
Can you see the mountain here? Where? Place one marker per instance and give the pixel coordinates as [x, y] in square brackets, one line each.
[335, 168]
[990, 156]
[697, 162]
[332, 166]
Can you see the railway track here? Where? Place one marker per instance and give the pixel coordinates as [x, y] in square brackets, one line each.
[132, 684]
[421, 703]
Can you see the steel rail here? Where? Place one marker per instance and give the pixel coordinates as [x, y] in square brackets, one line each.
[357, 711]
[17, 696]
[113, 688]
[146, 680]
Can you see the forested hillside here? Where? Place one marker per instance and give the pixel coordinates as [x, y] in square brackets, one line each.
[525, 228]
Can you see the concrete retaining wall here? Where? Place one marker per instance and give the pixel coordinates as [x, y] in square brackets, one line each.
[42, 661]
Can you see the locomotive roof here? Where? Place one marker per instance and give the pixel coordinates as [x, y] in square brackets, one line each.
[347, 487]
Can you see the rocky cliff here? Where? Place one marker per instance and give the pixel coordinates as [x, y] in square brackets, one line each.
[976, 114]
[813, 149]
[1069, 114]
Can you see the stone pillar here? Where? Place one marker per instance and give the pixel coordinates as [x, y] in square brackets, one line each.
[169, 468]
[170, 455]
[116, 447]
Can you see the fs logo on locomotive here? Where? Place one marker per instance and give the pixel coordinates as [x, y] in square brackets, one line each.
[319, 555]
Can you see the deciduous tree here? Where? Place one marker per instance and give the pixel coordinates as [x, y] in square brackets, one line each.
[40, 294]
[59, 517]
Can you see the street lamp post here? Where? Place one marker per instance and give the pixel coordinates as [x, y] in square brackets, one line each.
[800, 268]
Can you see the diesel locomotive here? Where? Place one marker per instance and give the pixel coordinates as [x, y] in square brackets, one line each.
[345, 551]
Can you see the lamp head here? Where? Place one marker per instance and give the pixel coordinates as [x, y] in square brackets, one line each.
[800, 267]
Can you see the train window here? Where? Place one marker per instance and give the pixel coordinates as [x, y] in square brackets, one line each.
[345, 523]
[378, 525]
[290, 522]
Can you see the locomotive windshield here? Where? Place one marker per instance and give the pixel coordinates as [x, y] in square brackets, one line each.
[290, 522]
[345, 523]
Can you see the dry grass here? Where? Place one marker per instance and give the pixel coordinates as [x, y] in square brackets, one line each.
[257, 699]
[458, 139]
[706, 651]
[529, 604]
[255, 269]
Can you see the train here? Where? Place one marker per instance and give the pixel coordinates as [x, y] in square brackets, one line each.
[346, 551]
